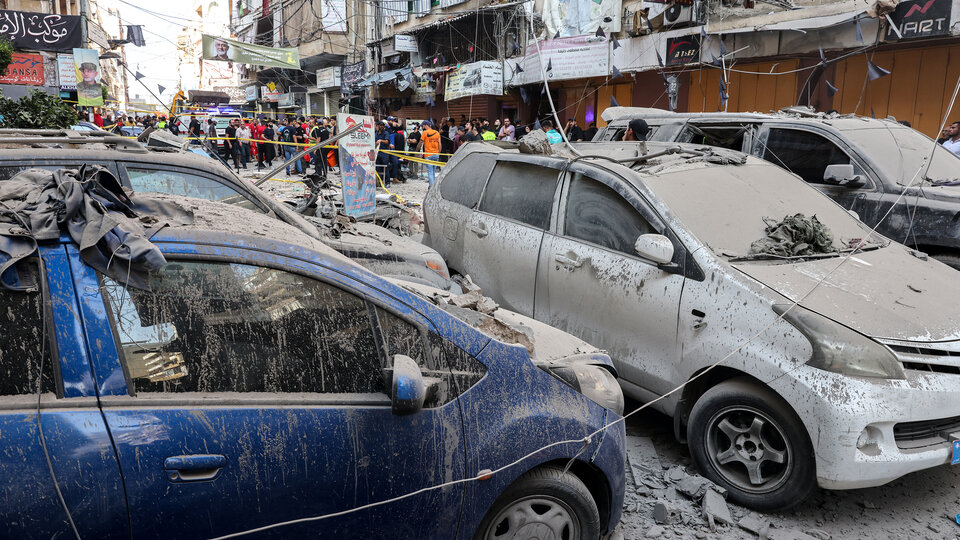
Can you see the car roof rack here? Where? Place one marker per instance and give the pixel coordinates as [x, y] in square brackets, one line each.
[67, 136]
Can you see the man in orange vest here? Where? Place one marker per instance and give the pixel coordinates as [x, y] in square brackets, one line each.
[430, 140]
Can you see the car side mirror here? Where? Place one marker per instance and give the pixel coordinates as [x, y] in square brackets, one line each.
[408, 389]
[655, 247]
[842, 175]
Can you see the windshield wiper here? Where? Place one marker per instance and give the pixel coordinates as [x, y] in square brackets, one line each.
[784, 258]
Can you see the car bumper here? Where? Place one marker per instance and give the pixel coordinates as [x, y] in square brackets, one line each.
[611, 458]
[851, 422]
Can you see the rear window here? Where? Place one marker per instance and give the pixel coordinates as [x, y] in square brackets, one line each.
[463, 183]
[521, 191]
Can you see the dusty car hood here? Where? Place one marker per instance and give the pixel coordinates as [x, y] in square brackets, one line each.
[942, 193]
[885, 293]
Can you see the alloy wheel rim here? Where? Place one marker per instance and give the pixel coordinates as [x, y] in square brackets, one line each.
[748, 449]
[535, 518]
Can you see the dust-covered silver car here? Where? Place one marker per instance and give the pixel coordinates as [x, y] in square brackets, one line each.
[652, 259]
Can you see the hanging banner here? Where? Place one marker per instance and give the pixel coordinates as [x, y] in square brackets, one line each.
[424, 91]
[333, 15]
[350, 75]
[231, 50]
[40, 31]
[919, 19]
[683, 50]
[358, 158]
[87, 65]
[270, 95]
[475, 79]
[24, 69]
[67, 72]
[567, 58]
[581, 17]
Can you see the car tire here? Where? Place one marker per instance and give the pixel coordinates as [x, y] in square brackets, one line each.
[747, 439]
[950, 259]
[543, 503]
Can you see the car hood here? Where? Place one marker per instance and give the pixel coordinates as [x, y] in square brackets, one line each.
[885, 293]
[942, 193]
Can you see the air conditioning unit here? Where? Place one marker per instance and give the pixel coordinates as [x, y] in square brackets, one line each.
[687, 13]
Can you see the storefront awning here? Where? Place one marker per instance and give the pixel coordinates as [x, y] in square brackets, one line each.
[207, 96]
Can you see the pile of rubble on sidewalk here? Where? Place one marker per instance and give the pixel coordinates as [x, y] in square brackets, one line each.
[666, 501]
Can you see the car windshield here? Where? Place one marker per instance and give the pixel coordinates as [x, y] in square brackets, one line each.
[900, 151]
[728, 207]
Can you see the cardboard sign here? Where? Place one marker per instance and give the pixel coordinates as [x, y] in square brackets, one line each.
[358, 159]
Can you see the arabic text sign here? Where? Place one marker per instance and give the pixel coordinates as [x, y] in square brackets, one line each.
[475, 79]
[569, 58]
[231, 50]
[402, 43]
[40, 31]
[67, 72]
[350, 76]
[328, 77]
[358, 159]
[24, 69]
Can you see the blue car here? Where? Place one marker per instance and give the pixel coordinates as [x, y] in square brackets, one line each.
[264, 380]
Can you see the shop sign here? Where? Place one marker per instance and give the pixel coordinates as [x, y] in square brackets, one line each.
[67, 72]
[424, 90]
[358, 165]
[270, 95]
[286, 100]
[919, 19]
[403, 43]
[683, 50]
[475, 79]
[250, 93]
[328, 77]
[25, 69]
[568, 58]
[40, 31]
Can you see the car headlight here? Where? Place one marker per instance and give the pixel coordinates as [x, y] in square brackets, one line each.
[593, 379]
[436, 263]
[839, 349]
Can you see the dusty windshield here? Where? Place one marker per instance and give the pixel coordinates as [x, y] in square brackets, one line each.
[728, 208]
[899, 152]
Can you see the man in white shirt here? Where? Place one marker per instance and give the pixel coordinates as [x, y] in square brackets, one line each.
[953, 138]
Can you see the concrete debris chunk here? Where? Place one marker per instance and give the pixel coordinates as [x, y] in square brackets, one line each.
[788, 534]
[467, 300]
[754, 523]
[644, 462]
[715, 508]
[665, 513]
[486, 305]
[675, 474]
[694, 486]
[467, 284]
[819, 534]
[535, 142]
[655, 532]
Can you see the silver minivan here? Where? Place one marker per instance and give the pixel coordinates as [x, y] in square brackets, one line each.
[650, 258]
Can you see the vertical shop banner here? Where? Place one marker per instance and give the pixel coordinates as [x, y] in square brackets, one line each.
[67, 72]
[24, 69]
[358, 157]
[87, 65]
[350, 75]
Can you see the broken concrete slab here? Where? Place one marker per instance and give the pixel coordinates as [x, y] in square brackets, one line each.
[675, 474]
[754, 523]
[788, 534]
[655, 532]
[665, 512]
[694, 486]
[467, 300]
[487, 305]
[715, 508]
[644, 462]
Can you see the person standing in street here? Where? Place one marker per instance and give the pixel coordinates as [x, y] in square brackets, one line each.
[487, 133]
[430, 141]
[637, 130]
[320, 133]
[553, 136]
[507, 131]
[413, 142]
[244, 135]
[232, 148]
[952, 143]
[269, 149]
[590, 132]
[383, 160]
[288, 138]
[574, 133]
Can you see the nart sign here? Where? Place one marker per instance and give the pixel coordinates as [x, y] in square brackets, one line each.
[920, 18]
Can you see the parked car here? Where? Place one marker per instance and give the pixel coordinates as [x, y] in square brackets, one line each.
[650, 259]
[167, 170]
[862, 163]
[265, 378]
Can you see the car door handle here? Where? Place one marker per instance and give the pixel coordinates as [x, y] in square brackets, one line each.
[479, 231]
[567, 261]
[194, 468]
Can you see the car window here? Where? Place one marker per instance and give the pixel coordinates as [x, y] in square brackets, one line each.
[463, 183]
[221, 327]
[597, 214]
[803, 153]
[730, 137]
[23, 339]
[521, 191]
[176, 182]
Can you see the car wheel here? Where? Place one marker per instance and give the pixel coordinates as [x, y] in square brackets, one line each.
[950, 259]
[747, 439]
[543, 503]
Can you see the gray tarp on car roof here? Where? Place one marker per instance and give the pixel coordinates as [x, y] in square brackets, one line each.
[111, 229]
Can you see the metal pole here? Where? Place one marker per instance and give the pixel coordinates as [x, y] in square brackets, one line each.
[306, 151]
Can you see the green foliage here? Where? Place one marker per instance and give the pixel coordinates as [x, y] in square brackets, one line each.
[6, 54]
[36, 110]
[103, 91]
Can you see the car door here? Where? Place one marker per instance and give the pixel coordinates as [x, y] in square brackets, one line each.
[188, 183]
[257, 395]
[503, 237]
[53, 439]
[592, 283]
[807, 153]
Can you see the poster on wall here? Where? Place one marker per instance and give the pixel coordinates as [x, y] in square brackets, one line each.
[475, 79]
[66, 72]
[358, 158]
[231, 50]
[87, 65]
[424, 91]
[568, 58]
[920, 18]
[25, 69]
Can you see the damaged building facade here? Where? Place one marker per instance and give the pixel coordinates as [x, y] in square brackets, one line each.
[482, 59]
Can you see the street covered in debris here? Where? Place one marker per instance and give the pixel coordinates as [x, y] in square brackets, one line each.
[489, 269]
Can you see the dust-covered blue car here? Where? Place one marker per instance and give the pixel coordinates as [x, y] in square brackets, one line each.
[261, 378]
